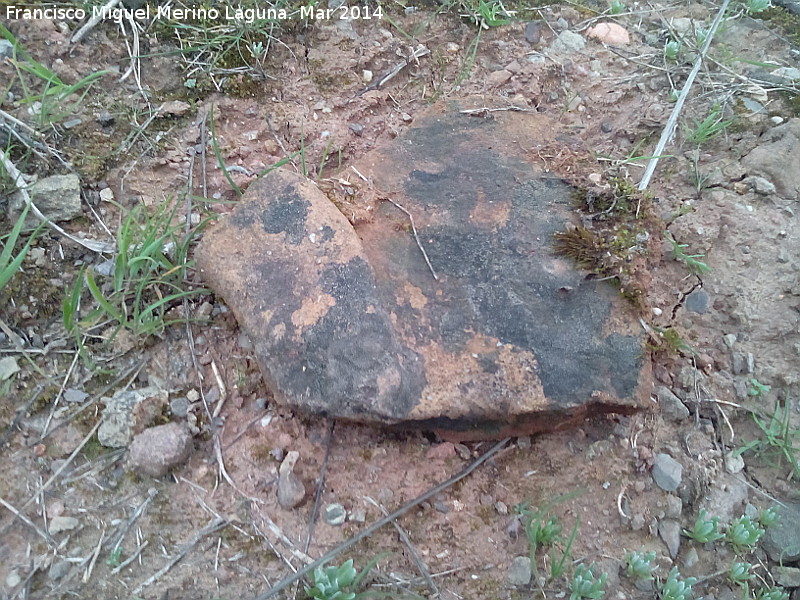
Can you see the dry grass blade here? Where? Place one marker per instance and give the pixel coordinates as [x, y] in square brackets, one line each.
[669, 128]
[214, 525]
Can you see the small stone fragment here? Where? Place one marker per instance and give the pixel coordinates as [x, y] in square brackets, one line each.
[58, 569]
[670, 532]
[57, 196]
[62, 523]
[358, 515]
[73, 395]
[734, 463]
[498, 78]
[157, 450]
[691, 558]
[696, 302]
[790, 73]
[519, 573]
[533, 32]
[729, 339]
[671, 406]
[71, 123]
[8, 367]
[674, 506]
[6, 49]
[105, 119]
[667, 472]
[122, 415]
[13, 579]
[609, 33]
[782, 540]
[788, 577]
[760, 185]
[179, 406]
[568, 42]
[357, 129]
[334, 514]
[291, 491]
[174, 108]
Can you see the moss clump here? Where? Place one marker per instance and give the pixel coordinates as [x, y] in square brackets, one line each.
[616, 244]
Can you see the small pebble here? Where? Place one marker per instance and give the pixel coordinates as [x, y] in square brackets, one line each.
[334, 514]
[519, 573]
[359, 515]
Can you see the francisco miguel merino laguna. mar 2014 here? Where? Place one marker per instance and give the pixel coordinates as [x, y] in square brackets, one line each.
[168, 12]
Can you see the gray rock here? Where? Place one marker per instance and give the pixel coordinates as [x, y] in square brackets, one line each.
[726, 498]
[674, 506]
[73, 395]
[58, 569]
[637, 522]
[357, 515]
[696, 302]
[788, 577]
[62, 523]
[568, 42]
[739, 363]
[729, 339]
[498, 78]
[58, 197]
[8, 367]
[667, 472]
[672, 407]
[691, 558]
[760, 185]
[670, 532]
[734, 463]
[357, 129]
[157, 450]
[119, 417]
[6, 49]
[782, 540]
[105, 119]
[778, 159]
[334, 514]
[533, 32]
[291, 491]
[519, 572]
[72, 123]
[179, 406]
[789, 73]
[348, 320]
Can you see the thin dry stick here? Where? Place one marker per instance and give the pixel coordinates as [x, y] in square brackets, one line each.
[42, 534]
[669, 128]
[66, 463]
[16, 177]
[213, 526]
[90, 24]
[152, 493]
[60, 393]
[286, 582]
[88, 574]
[223, 392]
[320, 486]
[423, 570]
[130, 559]
[416, 238]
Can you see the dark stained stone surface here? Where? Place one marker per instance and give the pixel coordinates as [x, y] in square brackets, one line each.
[349, 321]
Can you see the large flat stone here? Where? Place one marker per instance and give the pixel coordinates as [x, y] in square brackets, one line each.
[348, 320]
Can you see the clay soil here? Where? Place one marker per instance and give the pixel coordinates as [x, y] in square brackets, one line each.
[213, 528]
